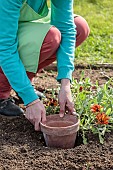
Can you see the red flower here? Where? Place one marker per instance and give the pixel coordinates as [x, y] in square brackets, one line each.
[81, 88]
[102, 118]
[96, 108]
[93, 87]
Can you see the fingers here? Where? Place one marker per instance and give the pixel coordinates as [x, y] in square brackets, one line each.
[34, 119]
[44, 115]
[35, 114]
[62, 109]
[37, 121]
[70, 107]
[37, 125]
[42, 118]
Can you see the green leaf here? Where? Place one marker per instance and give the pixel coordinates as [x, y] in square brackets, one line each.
[108, 111]
[100, 95]
[84, 139]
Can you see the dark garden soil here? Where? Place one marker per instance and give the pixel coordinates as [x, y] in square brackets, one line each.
[22, 148]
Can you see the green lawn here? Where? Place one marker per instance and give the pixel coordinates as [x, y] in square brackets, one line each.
[98, 48]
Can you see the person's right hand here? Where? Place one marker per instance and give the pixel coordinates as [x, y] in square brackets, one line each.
[36, 113]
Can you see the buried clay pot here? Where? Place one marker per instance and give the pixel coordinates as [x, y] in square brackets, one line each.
[60, 132]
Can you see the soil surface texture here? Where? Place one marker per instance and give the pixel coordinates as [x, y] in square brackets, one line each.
[22, 148]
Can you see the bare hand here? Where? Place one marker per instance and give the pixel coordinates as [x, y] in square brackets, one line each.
[35, 113]
[65, 100]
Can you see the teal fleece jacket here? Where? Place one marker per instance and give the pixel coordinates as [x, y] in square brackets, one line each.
[61, 17]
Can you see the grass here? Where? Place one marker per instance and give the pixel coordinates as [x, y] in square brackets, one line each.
[98, 48]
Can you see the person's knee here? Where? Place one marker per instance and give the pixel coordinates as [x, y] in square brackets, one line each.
[54, 37]
[82, 28]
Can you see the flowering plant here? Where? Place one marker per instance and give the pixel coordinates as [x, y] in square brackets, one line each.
[94, 104]
[51, 102]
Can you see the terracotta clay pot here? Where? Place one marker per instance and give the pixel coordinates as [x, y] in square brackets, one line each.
[60, 132]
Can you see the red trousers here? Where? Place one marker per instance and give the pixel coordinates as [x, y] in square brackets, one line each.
[48, 52]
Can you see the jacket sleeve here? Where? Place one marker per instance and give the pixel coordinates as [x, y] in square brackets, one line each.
[9, 57]
[62, 18]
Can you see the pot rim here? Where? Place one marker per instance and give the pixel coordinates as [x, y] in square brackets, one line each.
[70, 126]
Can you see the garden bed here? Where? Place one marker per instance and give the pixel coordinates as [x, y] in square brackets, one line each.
[22, 148]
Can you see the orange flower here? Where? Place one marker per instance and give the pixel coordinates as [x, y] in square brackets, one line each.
[96, 108]
[52, 102]
[102, 118]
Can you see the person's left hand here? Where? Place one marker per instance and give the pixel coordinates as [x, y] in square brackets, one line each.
[65, 98]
